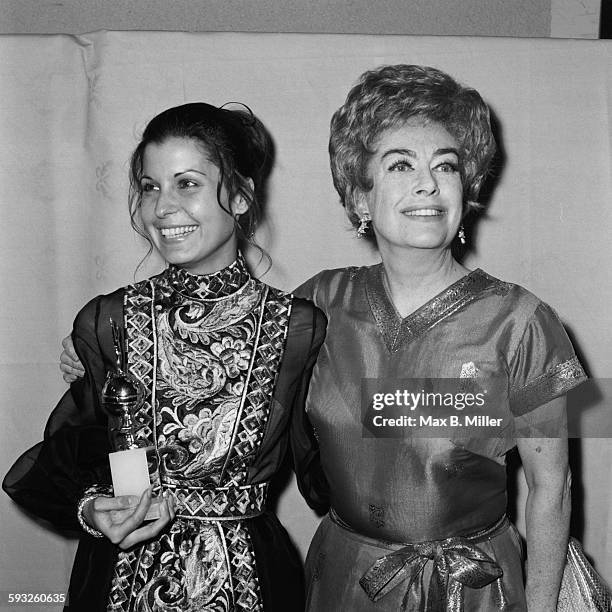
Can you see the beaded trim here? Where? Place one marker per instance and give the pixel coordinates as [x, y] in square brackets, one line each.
[221, 503]
[269, 346]
[89, 494]
[209, 286]
[553, 383]
[396, 331]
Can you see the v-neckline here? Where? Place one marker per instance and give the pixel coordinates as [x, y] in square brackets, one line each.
[396, 330]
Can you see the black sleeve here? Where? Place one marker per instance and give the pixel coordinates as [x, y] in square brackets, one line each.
[305, 449]
[49, 479]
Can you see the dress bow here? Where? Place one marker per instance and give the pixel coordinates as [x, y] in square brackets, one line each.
[457, 563]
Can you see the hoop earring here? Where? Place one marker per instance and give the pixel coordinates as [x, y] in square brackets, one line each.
[364, 226]
[461, 234]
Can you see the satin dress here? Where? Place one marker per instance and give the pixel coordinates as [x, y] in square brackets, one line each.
[398, 501]
[225, 361]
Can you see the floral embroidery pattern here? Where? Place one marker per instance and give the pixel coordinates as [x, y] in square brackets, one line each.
[216, 364]
[205, 353]
[233, 354]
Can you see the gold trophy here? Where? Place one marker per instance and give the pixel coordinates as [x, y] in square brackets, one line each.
[133, 464]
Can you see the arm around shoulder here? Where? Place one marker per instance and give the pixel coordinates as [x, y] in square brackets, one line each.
[304, 446]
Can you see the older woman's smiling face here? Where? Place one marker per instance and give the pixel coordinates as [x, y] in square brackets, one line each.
[417, 196]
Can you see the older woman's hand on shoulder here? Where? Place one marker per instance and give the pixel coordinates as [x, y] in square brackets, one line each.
[70, 365]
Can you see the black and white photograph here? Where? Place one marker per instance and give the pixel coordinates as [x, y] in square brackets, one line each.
[306, 306]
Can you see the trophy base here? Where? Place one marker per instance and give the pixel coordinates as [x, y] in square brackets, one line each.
[130, 474]
[154, 512]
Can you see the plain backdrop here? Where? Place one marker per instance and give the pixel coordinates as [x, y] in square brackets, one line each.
[73, 108]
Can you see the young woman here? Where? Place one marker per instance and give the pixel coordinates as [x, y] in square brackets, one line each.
[223, 359]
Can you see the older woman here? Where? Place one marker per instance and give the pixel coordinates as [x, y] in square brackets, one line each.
[419, 522]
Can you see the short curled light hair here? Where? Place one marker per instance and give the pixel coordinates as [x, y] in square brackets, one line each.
[387, 98]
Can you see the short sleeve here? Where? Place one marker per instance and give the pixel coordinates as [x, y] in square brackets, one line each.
[544, 365]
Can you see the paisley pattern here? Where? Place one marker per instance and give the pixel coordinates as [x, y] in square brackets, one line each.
[205, 352]
[208, 350]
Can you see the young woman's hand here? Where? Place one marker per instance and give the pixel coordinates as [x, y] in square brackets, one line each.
[70, 366]
[120, 519]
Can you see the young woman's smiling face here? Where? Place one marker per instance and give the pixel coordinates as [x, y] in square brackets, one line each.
[180, 211]
[417, 195]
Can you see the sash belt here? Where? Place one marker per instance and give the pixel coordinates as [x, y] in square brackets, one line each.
[457, 563]
[220, 504]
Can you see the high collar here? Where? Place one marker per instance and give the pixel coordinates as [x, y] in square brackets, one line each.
[218, 284]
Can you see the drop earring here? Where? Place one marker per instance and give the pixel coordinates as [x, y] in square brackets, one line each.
[461, 234]
[364, 225]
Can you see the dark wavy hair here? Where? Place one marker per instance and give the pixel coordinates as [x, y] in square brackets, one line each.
[236, 142]
[387, 98]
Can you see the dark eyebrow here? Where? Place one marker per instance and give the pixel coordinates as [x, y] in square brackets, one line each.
[144, 176]
[407, 152]
[447, 150]
[189, 170]
[411, 153]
